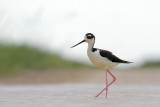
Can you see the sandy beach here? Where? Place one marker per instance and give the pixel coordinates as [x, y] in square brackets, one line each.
[130, 76]
[79, 95]
[133, 88]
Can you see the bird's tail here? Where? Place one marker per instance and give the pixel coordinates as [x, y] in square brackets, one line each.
[127, 62]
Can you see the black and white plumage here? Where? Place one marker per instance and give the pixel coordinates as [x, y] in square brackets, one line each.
[101, 58]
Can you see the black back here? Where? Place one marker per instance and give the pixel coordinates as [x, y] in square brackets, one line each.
[111, 57]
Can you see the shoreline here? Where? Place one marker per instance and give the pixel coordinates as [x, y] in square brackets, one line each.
[127, 76]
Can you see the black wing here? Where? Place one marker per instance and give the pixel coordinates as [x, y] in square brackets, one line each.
[111, 57]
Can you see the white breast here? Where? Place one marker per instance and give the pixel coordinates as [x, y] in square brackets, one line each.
[100, 61]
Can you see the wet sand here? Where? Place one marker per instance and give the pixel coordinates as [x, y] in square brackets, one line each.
[133, 88]
[79, 95]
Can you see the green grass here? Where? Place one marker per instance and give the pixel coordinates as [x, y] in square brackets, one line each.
[15, 59]
[151, 64]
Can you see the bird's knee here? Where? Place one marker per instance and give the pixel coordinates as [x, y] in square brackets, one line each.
[114, 79]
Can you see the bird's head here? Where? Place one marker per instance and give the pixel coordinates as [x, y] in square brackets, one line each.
[89, 38]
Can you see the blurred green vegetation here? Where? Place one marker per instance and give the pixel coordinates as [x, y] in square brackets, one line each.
[18, 58]
[151, 64]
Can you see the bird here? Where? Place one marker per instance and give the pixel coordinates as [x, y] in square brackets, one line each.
[101, 58]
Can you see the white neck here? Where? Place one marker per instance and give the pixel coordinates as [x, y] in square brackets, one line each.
[90, 45]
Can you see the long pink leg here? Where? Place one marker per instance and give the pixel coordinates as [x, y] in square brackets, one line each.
[106, 88]
[106, 85]
[114, 79]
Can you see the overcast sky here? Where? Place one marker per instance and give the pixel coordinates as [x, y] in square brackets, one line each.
[128, 28]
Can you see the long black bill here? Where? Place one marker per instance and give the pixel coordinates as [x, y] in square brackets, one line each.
[78, 43]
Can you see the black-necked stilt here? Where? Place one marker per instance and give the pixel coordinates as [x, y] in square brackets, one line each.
[101, 58]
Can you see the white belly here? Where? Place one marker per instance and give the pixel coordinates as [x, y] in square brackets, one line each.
[100, 61]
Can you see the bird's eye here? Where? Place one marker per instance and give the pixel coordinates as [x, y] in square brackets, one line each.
[89, 36]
